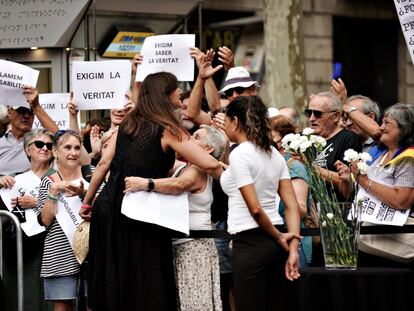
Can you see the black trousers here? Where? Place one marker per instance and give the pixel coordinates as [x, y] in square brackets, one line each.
[258, 270]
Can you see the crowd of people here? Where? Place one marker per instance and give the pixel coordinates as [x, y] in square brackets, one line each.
[221, 147]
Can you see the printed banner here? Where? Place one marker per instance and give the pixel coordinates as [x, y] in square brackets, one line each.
[377, 212]
[68, 212]
[405, 12]
[25, 184]
[12, 78]
[101, 85]
[170, 211]
[170, 53]
[56, 106]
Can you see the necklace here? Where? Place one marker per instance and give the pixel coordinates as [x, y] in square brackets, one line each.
[59, 175]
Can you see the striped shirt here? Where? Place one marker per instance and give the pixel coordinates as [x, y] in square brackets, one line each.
[58, 256]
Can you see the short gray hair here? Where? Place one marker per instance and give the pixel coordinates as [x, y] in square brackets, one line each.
[403, 114]
[334, 100]
[29, 137]
[216, 140]
[368, 106]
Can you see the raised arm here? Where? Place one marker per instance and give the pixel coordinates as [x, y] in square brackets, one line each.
[32, 97]
[136, 86]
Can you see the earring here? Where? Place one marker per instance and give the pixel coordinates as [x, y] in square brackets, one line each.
[233, 130]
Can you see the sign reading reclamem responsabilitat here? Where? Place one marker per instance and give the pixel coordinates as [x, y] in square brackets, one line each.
[169, 53]
[12, 78]
[56, 106]
[101, 85]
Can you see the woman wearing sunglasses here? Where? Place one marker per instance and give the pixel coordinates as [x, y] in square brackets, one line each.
[38, 147]
[61, 191]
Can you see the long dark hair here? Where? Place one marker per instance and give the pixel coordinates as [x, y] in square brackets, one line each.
[253, 120]
[154, 105]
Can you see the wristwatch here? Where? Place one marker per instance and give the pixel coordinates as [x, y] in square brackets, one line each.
[150, 185]
[350, 110]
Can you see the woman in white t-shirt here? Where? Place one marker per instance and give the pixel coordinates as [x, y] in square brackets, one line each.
[256, 173]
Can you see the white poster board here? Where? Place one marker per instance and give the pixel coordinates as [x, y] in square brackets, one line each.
[405, 12]
[170, 53]
[56, 106]
[12, 78]
[101, 85]
[25, 184]
[170, 211]
[374, 211]
[68, 212]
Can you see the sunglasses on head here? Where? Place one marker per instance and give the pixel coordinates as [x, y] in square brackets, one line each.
[239, 90]
[40, 144]
[316, 113]
[60, 133]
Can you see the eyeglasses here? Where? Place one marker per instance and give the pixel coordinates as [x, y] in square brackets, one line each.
[239, 90]
[60, 133]
[316, 113]
[40, 144]
[345, 116]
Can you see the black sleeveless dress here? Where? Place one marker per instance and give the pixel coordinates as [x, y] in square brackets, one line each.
[130, 262]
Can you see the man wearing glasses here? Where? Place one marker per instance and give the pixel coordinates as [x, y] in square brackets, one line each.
[324, 117]
[12, 156]
[238, 83]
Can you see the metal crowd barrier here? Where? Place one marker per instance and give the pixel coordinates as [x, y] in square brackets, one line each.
[19, 247]
[381, 229]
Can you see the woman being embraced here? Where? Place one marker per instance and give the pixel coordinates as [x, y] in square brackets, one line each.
[256, 173]
[59, 266]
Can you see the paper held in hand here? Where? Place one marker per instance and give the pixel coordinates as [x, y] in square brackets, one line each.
[170, 53]
[170, 211]
[12, 78]
[101, 85]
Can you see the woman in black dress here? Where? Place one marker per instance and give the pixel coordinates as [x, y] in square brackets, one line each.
[131, 265]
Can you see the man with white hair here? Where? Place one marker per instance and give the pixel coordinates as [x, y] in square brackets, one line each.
[13, 159]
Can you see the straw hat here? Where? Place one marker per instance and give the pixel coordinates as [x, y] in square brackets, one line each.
[81, 241]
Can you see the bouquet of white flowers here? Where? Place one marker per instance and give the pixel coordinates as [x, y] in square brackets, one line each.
[339, 222]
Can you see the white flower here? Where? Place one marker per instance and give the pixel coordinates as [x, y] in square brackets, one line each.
[364, 156]
[329, 216]
[294, 145]
[320, 142]
[324, 224]
[305, 145]
[307, 131]
[351, 155]
[362, 167]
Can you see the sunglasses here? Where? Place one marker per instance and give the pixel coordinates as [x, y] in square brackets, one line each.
[316, 113]
[239, 90]
[60, 133]
[40, 144]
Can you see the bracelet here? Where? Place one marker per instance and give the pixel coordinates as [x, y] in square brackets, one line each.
[86, 206]
[82, 196]
[369, 186]
[51, 197]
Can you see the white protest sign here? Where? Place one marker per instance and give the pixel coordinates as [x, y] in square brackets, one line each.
[12, 78]
[101, 85]
[25, 184]
[374, 211]
[170, 211]
[170, 53]
[56, 106]
[68, 212]
[405, 11]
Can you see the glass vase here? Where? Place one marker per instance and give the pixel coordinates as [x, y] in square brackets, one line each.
[340, 225]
